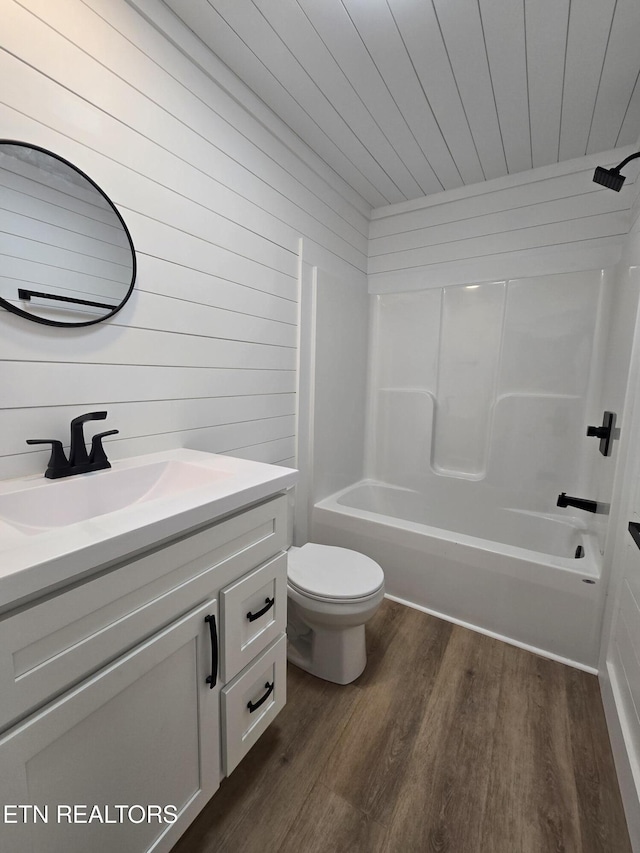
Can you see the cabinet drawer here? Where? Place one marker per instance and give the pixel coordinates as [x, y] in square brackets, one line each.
[251, 702]
[52, 645]
[254, 612]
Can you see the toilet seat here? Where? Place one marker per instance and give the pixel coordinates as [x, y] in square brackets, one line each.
[328, 573]
[335, 600]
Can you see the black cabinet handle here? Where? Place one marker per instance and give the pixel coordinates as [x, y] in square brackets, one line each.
[211, 679]
[269, 602]
[254, 707]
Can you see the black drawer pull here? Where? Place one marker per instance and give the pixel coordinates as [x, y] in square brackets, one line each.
[269, 602]
[262, 700]
[211, 679]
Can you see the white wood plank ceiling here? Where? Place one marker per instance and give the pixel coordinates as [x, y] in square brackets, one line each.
[403, 98]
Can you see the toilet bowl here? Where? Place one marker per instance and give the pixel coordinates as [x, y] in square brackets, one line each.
[331, 592]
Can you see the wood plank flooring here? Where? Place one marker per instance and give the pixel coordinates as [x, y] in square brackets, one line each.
[450, 742]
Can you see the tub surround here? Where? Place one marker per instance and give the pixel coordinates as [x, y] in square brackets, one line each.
[486, 382]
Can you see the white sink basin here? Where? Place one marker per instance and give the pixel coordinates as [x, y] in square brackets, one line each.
[59, 503]
[55, 531]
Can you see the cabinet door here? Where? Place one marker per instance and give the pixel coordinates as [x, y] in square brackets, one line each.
[143, 733]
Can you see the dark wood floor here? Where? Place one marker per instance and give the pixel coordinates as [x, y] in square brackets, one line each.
[450, 742]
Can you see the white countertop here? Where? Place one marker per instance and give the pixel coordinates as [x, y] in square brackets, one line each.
[36, 560]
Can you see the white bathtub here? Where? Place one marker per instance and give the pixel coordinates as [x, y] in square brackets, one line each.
[509, 573]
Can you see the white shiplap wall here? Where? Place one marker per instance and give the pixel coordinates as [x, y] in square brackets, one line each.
[620, 651]
[546, 221]
[216, 192]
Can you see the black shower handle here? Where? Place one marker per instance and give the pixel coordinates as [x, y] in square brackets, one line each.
[605, 432]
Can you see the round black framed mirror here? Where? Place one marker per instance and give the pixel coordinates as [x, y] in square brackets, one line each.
[66, 254]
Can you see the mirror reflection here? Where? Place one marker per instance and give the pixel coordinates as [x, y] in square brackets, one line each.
[66, 256]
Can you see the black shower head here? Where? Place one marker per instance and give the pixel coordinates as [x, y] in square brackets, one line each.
[610, 178]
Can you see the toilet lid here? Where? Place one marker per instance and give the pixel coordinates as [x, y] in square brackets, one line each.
[329, 572]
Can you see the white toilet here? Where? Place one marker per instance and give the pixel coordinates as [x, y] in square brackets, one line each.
[332, 592]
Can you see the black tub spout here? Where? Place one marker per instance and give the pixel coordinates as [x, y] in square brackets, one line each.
[579, 503]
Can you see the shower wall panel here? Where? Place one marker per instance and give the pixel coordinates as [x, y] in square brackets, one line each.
[486, 382]
[408, 339]
[470, 337]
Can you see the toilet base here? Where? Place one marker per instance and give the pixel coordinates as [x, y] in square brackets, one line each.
[339, 655]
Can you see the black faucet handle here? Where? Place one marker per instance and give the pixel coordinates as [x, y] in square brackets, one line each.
[58, 462]
[98, 457]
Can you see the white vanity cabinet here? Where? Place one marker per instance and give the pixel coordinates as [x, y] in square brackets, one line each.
[127, 696]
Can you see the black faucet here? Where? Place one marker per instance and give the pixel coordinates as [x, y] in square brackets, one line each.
[78, 455]
[580, 503]
[79, 462]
